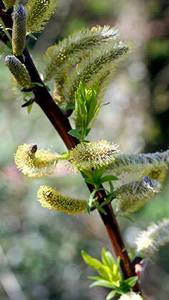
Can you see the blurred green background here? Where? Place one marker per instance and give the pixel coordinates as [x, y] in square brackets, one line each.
[40, 250]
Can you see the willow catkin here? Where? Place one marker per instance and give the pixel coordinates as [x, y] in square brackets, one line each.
[74, 48]
[93, 155]
[19, 71]
[34, 162]
[133, 196]
[153, 165]
[19, 30]
[155, 236]
[52, 199]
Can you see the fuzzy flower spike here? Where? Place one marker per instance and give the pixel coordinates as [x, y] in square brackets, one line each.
[154, 165]
[52, 199]
[93, 155]
[133, 196]
[19, 71]
[149, 241]
[33, 162]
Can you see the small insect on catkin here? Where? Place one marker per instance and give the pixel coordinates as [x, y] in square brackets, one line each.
[9, 3]
[19, 30]
[93, 155]
[131, 197]
[33, 162]
[149, 241]
[19, 71]
[51, 199]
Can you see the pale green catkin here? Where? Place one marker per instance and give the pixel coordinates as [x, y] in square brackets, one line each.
[133, 196]
[73, 49]
[19, 71]
[154, 165]
[52, 199]
[39, 13]
[155, 236]
[19, 30]
[90, 67]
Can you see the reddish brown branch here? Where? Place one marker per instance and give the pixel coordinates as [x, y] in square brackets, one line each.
[62, 126]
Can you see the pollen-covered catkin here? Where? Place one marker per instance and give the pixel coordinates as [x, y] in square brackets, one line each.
[19, 30]
[19, 71]
[9, 3]
[149, 241]
[131, 197]
[52, 199]
[92, 155]
[33, 162]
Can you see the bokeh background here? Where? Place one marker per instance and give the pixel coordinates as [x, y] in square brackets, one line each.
[40, 250]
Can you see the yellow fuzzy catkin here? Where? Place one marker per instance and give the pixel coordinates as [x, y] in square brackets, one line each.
[93, 155]
[19, 30]
[19, 71]
[9, 3]
[33, 162]
[133, 196]
[51, 199]
[149, 241]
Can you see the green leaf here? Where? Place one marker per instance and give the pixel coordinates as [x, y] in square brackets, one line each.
[103, 283]
[131, 281]
[75, 133]
[92, 262]
[92, 198]
[29, 108]
[95, 278]
[108, 178]
[111, 295]
[86, 107]
[38, 84]
[107, 258]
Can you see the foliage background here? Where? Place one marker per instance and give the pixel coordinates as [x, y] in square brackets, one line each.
[40, 250]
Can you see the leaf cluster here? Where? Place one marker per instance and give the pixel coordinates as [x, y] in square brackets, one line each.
[86, 109]
[109, 274]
